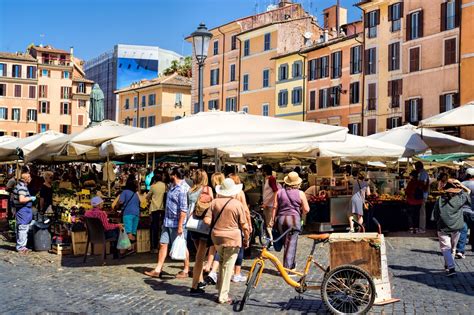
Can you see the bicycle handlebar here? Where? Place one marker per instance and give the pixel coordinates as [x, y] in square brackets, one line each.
[359, 225]
[379, 227]
[281, 236]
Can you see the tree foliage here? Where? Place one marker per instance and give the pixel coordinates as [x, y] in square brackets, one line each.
[182, 67]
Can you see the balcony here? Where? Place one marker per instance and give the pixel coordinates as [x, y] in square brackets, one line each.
[56, 62]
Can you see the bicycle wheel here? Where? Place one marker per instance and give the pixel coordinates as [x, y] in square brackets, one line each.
[348, 289]
[250, 285]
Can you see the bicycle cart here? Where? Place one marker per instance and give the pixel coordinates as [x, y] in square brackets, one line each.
[346, 289]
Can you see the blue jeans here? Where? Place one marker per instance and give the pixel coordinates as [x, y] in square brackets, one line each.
[468, 223]
[21, 236]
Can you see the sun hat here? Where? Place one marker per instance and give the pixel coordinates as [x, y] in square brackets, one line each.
[470, 171]
[292, 179]
[228, 188]
[96, 201]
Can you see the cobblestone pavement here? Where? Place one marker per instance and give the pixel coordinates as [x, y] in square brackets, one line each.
[41, 282]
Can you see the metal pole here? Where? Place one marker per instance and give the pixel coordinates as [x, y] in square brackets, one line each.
[200, 88]
[146, 161]
[108, 177]
[153, 162]
[216, 161]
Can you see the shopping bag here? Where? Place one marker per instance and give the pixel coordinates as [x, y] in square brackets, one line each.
[123, 241]
[178, 249]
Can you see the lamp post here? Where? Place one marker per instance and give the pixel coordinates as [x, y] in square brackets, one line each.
[201, 38]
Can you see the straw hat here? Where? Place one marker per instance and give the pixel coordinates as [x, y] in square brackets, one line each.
[292, 179]
[96, 201]
[228, 188]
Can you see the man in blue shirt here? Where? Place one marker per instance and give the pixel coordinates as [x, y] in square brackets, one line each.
[24, 214]
[175, 218]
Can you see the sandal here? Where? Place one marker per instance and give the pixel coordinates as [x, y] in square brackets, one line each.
[229, 301]
[182, 275]
[154, 274]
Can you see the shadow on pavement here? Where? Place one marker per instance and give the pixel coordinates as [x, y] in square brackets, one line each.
[431, 252]
[172, 289]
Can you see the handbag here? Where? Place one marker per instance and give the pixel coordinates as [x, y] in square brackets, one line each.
[213, 224]
[197, 225]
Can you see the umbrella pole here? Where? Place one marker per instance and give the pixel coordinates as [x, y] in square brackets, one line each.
[153, 162]
[108, 177]
[216, 161]
[146, 160]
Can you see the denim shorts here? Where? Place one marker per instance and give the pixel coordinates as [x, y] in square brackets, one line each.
[168, 235]
[130, 223]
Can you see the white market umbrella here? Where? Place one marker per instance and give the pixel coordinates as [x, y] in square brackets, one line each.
[216, 129]
[8, 150]
[460, 116]
[83, 145]
[6, 139]
[417, 141]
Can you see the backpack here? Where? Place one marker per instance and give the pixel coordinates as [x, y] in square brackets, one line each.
[203, 204]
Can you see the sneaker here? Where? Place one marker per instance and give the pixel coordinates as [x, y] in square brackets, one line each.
[420, 231]
[202, 285]
[460, 255]
[197, 291]
[211, 278]
[239, 278]
[451, 272]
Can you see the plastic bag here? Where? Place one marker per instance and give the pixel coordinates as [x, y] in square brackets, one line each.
[178, 249]
[123, 241]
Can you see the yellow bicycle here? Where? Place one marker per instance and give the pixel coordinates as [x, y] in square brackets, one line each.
[346, 289]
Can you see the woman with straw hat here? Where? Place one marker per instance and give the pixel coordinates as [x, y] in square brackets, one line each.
[289, 206]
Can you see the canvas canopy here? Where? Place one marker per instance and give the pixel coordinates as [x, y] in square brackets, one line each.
[81, 146]
[6, 139]
[216, 129]
[460, 116]
[8, 150]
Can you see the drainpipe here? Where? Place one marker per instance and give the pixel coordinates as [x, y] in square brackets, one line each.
[138, 108]
[240, 71]
[223, 65]
[304, 84]
[363, 74]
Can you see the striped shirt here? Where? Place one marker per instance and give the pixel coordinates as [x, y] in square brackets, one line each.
[176, 202]
[24, 214]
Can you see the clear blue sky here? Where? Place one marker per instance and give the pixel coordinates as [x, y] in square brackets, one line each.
[94, 26]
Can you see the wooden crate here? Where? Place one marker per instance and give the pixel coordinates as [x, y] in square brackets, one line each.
[143, 241]
[60, 249]
[143, 235]
[79, 241]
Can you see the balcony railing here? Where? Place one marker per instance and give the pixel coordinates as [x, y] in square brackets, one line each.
[56, 62]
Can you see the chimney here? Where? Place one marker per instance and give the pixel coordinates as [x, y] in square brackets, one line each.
[284, 3]
[71, 51]
[330, 20]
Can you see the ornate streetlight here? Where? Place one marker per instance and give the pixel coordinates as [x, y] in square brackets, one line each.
[201, 38]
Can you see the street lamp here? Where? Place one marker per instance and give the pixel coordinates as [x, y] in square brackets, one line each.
[201, 38]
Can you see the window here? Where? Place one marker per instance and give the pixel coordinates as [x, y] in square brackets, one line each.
[16, 134]
[413, 111]
[215, 50]
[372, 98]
[394, 56]
[81, 87]
[3, 113]
[318, 68]
[45, 73]
[16, 114]
[265, 110]
[32, 91]
[297, 96]
[297, 69]
[143, 101]
[354, 129]
[135, 102]
[312, 69]
[414, 59]
[245, 82]
[3, 70]
[394, 122]
[371, 126]
[178, 99]
[232, 73]
[82, 103]
[231, 104]
[17, 90]
[127, 103]
[213, 104]
[3, 89]
[16, 71]
[395, 89]
[372, 19]
[65, 129]
[450, 51]
[448, 102]
[266, 78]
[356, 59]
[233, 42]
[245, 109]
[80, 120]
[371, 61]
[450, 15]
[31, 72]
[142, 122]
[324, 69]
[43, 91]
[415, 25]
[65, 92]
[283, 98]
[335, 96]
[214, 77]
[246, 47]
[134, 122]
[196, 108]
[44, 107]
[32, 115]
[354, 93]
[30, 133]
[283, 72]
[65, 108]
[151, 121]
[43, 127]
[267, 41]
[65, 75]
[312, 100]
[151, 99]
[323, 98]
[395, 12]
[336, 62]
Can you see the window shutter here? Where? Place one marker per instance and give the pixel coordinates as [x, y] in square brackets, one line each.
[457, 12]
[366, 59]
[401, 9]
[320, 98]
[389, 86]
[47, 106]
[407, 111]
[456, 100]
[408, 27]
[420, 109]
[399, 121]
[390, 57]
[45, 91]
[442, 103]
[400, 86]
[377, 17]
[340, 64]
[351, 61]
[397, 55]
[390, 12]
[367, 20]
[389, 123]
[420, 24]
[312, 100]
[61, 109]
[351, 93]
[442, 23]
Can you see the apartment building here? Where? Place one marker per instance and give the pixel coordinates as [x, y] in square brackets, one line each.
[467, 60]
[148, 103]
[18, 99]
[239, 72]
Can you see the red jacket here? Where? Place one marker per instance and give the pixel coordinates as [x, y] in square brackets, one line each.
[410, 192]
